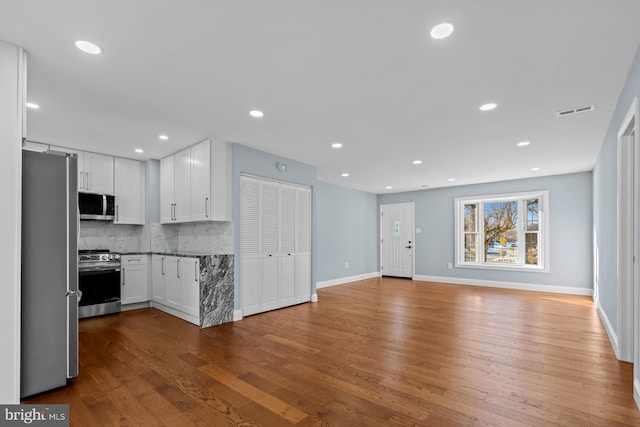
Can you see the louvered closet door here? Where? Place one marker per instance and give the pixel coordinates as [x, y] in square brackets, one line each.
[287, 283]
[269, 242]
[303, 245]
[250, 254]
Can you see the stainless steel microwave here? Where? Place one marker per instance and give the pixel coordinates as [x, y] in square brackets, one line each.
[96, 206]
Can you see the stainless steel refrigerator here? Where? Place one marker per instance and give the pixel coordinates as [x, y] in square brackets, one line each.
[49, 349]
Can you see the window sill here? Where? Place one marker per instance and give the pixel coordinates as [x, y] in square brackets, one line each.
[502, 267]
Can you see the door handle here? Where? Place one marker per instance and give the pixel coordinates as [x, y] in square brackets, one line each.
[196, 270]
[178, 269]
[162, 266]
[407, 247]
[77, 293]
[206, 207]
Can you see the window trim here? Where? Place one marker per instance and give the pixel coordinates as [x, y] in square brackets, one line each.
[543, 246]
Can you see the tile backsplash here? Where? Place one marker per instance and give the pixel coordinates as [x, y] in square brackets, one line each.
[206, 238]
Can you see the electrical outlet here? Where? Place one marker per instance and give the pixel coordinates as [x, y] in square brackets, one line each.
[346, 264]
[450, 265]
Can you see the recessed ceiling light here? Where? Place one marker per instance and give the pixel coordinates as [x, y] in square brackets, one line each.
[32, 105]
[488, 107]
[535, 169]
[256, 113]
[417, 162]
[139, 150]
[451, 179]
[388, 187]
[442, 31]
[88, 47]
[163, 137]
[336, 145]
[345, 174]
[523, 143]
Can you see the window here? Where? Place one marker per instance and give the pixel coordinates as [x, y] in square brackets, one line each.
[505, 231]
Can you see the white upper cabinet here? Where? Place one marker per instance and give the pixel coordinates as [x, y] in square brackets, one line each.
[201, 181]
[167, 189]
[95, 173]
[129, 191]
[182, 207]
[195, 184]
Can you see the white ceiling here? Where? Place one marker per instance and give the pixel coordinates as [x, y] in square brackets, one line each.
[362, 72]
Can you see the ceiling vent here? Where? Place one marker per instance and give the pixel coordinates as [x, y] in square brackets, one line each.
[576, 110]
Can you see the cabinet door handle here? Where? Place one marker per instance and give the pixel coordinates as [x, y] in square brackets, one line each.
[87, 180]
[197, 272]
[178, 269]
[206, 207]
[162, 265]
[117, 213]
[124, 269]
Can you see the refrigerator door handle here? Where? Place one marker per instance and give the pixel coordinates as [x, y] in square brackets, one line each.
[77, 293]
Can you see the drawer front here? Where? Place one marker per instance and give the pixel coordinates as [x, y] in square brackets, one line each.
[134, 260]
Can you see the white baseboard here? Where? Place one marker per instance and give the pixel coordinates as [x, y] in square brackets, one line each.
[177, 313]
[237, 315]
[507, 285]
[135, 306]
[343, 280]
[613, 336]
[314, 297]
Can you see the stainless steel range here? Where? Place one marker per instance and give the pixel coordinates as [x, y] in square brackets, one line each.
[99, 282]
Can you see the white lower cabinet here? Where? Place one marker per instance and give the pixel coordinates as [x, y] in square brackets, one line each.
[176, 286]
[134, 279]
[158, 279]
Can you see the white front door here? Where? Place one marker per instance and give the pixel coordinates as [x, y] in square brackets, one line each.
[396, 240]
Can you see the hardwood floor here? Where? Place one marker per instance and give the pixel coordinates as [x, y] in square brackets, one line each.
[379, 352]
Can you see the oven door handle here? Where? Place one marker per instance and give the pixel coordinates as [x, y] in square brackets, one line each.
[96, 270]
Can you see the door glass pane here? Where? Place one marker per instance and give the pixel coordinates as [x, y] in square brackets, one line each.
[532, 248]
[500, 231]
[396, 228]
[532, 215]
[470, 245]
[470, 217]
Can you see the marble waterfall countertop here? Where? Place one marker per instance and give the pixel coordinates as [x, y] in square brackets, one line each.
[216, 289]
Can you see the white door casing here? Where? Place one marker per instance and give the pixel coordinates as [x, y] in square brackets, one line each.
[627, 234]
[397, 240]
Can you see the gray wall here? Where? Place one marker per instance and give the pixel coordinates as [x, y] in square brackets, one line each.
[570, 222]
[249, 161]
[347, 224]
[605, 214]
